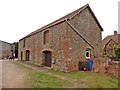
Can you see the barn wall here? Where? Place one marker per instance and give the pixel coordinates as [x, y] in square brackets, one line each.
[89, 29]
[67, 47]
[58, 46]
[5, 49]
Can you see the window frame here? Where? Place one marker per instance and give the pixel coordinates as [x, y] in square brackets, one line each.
[24, 42]
[46, 37]
[87, 56]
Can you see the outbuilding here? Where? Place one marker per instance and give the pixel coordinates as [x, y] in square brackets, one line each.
[6, 49]
[62, 44]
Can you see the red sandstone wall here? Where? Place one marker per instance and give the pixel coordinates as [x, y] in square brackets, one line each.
[103, 65]
[66, 46]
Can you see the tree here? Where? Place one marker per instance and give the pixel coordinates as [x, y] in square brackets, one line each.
[117, 52]
[16, 49]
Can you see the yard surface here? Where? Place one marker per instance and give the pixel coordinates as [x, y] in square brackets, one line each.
[13, 75]
[0, 74]
[25, 75]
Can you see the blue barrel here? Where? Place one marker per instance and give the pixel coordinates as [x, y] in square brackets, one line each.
[90, 64]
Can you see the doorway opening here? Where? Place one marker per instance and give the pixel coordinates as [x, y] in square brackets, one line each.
[21, 56]
[27, 55]
[47, 58]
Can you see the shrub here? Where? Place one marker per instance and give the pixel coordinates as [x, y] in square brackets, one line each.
[117, 52]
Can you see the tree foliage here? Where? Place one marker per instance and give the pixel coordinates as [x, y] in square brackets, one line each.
[117, 52]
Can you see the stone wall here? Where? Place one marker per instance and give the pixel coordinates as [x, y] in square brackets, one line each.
[5, 49]
[114, 68]
[67, 47]
[105, 65]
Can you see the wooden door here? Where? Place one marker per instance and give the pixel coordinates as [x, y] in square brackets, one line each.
[48, 60]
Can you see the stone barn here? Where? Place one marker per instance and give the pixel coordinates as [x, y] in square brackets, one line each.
[62, 44]
[6, 49]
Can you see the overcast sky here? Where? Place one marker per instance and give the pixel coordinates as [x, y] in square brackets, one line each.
[20, 17]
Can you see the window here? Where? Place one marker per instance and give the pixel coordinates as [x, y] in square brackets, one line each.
[87, 53]
[110, 45]
[46, 37]
[24, 43]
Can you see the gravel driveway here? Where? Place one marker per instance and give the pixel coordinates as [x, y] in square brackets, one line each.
[13, 75]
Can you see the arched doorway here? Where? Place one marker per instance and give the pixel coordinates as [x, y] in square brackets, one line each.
[47, 58]
[27, 55]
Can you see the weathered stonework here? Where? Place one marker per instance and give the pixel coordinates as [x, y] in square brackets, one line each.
[6, 49]
[66, 46]
[105, 65]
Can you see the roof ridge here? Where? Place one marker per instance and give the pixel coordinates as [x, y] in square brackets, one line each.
[80, 9]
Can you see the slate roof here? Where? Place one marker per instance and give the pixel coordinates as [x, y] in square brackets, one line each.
[68, 16]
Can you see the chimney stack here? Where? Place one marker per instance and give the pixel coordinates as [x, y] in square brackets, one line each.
[115, 33]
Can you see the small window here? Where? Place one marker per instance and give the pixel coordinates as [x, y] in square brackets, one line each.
[87, 54]
[109, 45]
[24, 43]
[46, 37]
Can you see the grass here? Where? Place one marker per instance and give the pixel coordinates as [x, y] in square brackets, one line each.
[40, 80]
[37, 79]
[74, 75]
[102, 81]
[92, 80]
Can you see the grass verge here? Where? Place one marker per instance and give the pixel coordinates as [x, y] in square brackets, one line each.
[37, 79]
[92, 80]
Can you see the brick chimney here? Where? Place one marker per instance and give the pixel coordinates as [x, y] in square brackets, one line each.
[115, 33]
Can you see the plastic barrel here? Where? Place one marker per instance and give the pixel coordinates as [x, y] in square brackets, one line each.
[90, 64]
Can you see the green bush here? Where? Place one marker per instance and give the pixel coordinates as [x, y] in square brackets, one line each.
[117, 52]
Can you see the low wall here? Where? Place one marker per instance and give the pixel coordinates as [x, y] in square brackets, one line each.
[103, 65]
